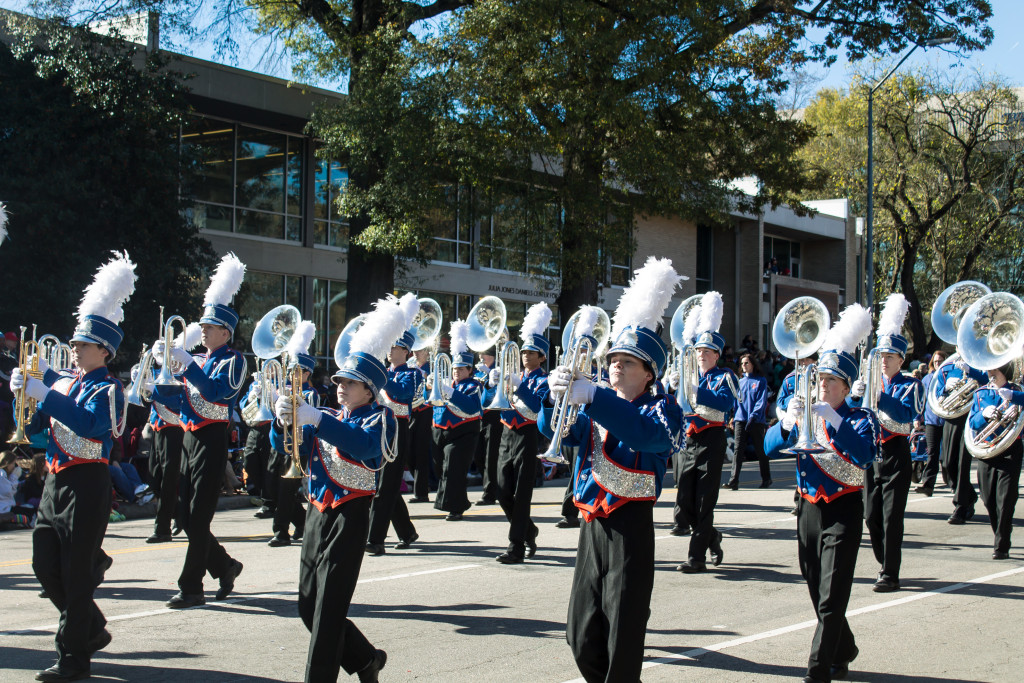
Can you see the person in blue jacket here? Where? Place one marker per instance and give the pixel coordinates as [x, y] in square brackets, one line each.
[955, 457]
[887, 483]
[830, 512]
[421, 440]
[489, 443]
[84, 412]
[999, 476]
[932, 425]
[749, 422]
[625, 435]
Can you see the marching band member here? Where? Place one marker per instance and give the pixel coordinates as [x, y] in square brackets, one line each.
[517, 462]
[289, 511]
[831, 509]
[165, 462]
[421, 459]
[84, 412]
[932, 425]
[955, 457]
[457, 426]
[786, 392]
[625, 435]
[887, 483]
[698, 468]
[999, 476]
[341, 450]
[403, 384]
[490, 432]
[211, 384]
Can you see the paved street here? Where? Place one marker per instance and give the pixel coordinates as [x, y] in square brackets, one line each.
[445, 611]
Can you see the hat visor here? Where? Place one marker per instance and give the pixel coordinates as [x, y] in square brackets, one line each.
[352, 374]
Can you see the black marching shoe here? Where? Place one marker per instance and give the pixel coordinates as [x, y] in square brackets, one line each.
[368, 674]
[531, 544]
[57, 673]
[924, 490]
[264, 513]
[374, 549]
[160, 538]
[885, 584]
[99, 641]
[175, 530]
[486, 501]
[680, 531]
[453, 517]
[418, 499]
[957, 518]
[405, 543]
[716, 549]
[692, 567]
[840, 670]
[185, 600]
[511, 556]
[731, 485]
[812, 679]
[227, 582]
[1000, 555]
[765, 484]
[568, 523]
[279, 541]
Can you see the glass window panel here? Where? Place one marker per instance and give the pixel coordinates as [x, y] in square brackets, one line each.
[212, 217]
[260, 169]
[293, 229]
[260, 223]
[321, 189]
[794, 249]
[212, 143]
[294, 180]
[260, 292]
[320, 295]
[293, 291]
[336, 311]
[339, 179]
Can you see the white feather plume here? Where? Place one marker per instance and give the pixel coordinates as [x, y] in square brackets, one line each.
[893, 314]
[536, 321]
[301, 338]
[644, 301]
[852, 328]
[459, 337]
[190, 338]
[410, 305]
[226, 280]
[710, 313]
[3, 222]
[381, 328]
[587, 321]
[113, 284]
[690, 324]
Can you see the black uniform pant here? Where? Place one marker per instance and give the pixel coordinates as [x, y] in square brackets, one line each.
[933, 442]
[487, 451]
[886, 488]
[998, 479]
[752, 433]
[165, 472]
[388, 506]
[289, 510]
[957, 460]
[420, 452]
[569, 509]
[611, 594]
[256, 460]
[456, 447]
[517, 465]
[67, 555]
[204, 454]
[332, 553]
[698, 473]
[828, 537]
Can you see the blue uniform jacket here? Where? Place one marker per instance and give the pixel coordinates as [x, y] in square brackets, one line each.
[899, 405]
[949, 370]
[624, 448]
[753, 399]
[342, 452]
[712, 393]
[212, 384]
[929, 417]
[988, 396]
[838, 472]
[489, 392]
[401, 388]
[463, 406]
[81, 403]
[527, 400]
[786, 392]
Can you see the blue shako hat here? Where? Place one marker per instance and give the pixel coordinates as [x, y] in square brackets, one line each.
[100, 311]
[893, 343]
[407, 340]
[359, 357]
[364, 368]
[644, 344]
[640, 312]
[710, 340]
[535, 324]
[836, 357]
[224, 284]
[890, 325]
[462, 357]
[306, 361]
[706, 334]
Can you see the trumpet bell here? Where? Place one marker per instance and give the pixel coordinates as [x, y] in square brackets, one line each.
[274, 330]
[952, 304]
[427, 324]
[486, 323]
[675, 328]
[991, 331]
[343, 346]
[800, 327]
[602, 328]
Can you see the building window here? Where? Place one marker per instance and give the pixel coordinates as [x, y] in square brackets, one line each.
[261, 292]
[617, 261]
[329, 228]
[705, 258]
[329, 316]
[249, 180]
[519, 236]
[451, 227]
[786, 255]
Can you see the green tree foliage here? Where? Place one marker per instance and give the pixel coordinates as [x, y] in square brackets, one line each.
[949, 183]
[91, 164]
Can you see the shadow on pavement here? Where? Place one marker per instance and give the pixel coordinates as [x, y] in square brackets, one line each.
[466, 624]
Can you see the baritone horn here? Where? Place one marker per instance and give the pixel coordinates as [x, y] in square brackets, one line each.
[486, 329]
[269, 338]
[25, 405]
[293, 435]
[798, 331]
[684, 356]
[947, 312]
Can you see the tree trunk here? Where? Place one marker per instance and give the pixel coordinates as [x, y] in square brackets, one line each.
[915, 317]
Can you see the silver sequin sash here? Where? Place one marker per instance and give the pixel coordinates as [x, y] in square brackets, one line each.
[74, 445]
[891, 425]
[833, 464]
[205, 409]
[614, 478]
[345, 473]
[400, 409]
[165, 414]
[709, 414]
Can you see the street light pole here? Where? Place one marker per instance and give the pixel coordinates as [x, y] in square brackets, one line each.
[869, 261]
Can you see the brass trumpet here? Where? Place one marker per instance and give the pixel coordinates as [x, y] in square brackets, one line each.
[293, 435]
[24, 405]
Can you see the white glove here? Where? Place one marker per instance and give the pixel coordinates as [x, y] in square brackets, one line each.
[858, 389]
[582, 391]
[181, 356]
[492, 377]
[952, 383]
[790, 417]
[515, 381]
[482, 367]
[960, 365]
[158, 352]
[447, 391]
[824, 410]
[43, 365]
[1005, 393]
[673, 380]
[989, 412]
[33, 387]
[558, 380]
[307, 414]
